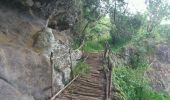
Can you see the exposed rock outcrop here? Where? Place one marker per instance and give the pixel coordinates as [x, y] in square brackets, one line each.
[25, 48]
[10, 93]
[63, 57]
[44, 41]
[159, 73]
[25, 71]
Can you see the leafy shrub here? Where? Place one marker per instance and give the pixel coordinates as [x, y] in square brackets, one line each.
[134, 86]
[81, 68]
[93, 46]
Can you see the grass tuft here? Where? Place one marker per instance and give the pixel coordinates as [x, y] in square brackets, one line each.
[81, 68]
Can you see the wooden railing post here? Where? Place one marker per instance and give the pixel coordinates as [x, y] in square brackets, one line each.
[71, 64]
[108, 72]
[110, 78]
[52, 72]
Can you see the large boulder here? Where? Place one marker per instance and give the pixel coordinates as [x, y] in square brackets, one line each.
[44, 41]
[63, 56]
[64, 59]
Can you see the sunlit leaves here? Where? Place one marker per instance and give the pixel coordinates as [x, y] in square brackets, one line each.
[158, 10]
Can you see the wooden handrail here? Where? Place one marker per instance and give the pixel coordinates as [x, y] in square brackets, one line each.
[108, 72]
[58, 93]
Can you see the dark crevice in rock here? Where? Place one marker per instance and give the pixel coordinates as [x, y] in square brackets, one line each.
[5, 80]
[62, 74]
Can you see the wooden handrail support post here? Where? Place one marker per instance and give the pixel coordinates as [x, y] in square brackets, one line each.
[110, 79]
[108, 72]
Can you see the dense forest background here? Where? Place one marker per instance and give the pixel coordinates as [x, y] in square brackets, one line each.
[112, 21]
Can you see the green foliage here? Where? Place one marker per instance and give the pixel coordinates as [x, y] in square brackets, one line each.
[125, 26]
[81, 68]
[134, 86]
[116, 47]
[93, 46]
[144, 43]
[139, 53]
[102, 27]
[97, 35]
[158, 10]
[96, 42]
[138, 59]
[122, 28]
[90, 9]
[164, 30]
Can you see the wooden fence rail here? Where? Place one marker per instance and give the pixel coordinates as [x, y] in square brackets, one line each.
[58, 93]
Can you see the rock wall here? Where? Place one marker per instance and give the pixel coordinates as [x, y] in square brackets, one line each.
[26, 46]
[62, 14]
[25, 71]
[159, 73]
[62, 56]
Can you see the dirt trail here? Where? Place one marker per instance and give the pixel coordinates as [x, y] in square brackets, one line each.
[88, 87]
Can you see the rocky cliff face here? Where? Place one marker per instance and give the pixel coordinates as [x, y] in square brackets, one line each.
[26, 46]
[159, 73]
